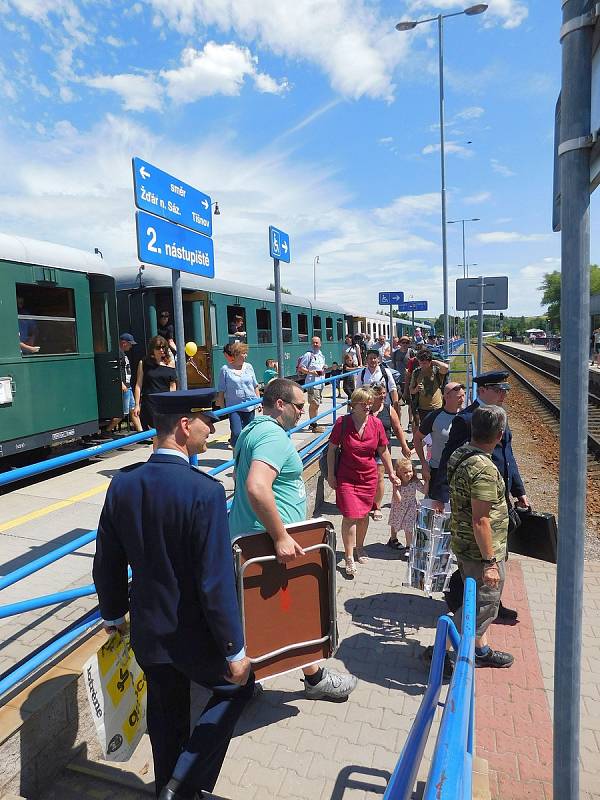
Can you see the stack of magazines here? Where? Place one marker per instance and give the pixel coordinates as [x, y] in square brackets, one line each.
[430, 562]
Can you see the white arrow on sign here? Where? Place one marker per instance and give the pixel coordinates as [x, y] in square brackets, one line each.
[144, 173]
[205, 204]
[284, 246]
[395, 298]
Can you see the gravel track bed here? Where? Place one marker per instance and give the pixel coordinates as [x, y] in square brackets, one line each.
[536, 448]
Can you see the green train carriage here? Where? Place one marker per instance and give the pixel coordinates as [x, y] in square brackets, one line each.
[59, 369]
[210, 307]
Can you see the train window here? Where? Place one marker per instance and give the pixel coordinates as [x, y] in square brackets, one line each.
[340, 330]
[236, 324]
[286, 325]
[47, 322]
[302, 327]
[329, 329]
[263, 325]
[317, 326]
[100, 326]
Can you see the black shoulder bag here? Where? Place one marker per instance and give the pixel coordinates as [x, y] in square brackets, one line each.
[338, 454]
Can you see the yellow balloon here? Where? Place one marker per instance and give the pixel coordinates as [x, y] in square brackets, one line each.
[191, 348]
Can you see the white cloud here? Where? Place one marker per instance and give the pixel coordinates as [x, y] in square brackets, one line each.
[475, 199]
[501, 169]
[7, 85]
[473, 112]
[509, 237]
[450, 148]
[138, 92]
[356, 49]
[386, 140]
[217, 69]
[74, 187]
[113, 41]
[66, 94]
[508, 13]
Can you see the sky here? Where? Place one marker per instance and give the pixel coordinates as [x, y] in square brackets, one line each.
[317, 117]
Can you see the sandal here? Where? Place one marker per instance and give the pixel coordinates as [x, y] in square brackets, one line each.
[350, 568]
[394, 544]
[377, 515]
[362, 557]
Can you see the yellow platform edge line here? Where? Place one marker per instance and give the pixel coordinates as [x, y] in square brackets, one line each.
[41, 512]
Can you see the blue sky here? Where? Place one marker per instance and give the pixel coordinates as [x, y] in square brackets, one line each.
[317, 117]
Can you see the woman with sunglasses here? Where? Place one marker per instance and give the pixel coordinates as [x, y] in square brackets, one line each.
[153, 375]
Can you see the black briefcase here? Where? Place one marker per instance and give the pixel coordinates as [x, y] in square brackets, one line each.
[535, 537]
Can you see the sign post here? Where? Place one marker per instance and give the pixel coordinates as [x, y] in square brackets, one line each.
[390, 299]
[279, 250]
[481, 294]
[412, 306]
[174, 226]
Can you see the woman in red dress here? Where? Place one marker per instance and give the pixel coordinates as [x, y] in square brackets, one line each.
[359, 436]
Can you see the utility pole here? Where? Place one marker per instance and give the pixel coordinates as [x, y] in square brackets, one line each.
[574, 157]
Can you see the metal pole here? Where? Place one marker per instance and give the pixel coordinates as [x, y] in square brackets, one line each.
[179, 334]
[480, 325]
[467, 343]
[575, 316]
[443, 176]
[278, 320]
[413, 324]
[391, 330]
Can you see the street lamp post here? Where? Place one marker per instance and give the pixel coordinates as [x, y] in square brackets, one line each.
[471, 11]
[466, 316]
[315, 262]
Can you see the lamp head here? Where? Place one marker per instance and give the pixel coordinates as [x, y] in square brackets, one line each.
[407, 25]
[478, 8]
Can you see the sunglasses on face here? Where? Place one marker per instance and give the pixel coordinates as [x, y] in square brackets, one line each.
[163, 349]
[299, 406]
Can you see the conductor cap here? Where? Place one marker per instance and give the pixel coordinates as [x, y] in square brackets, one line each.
[189, 401]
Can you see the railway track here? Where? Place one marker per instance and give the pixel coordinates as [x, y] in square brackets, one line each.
[546, 388]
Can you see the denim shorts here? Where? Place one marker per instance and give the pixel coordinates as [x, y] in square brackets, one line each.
[128, 401]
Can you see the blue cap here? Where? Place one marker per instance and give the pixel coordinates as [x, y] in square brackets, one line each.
[127, 337]
[188, 401]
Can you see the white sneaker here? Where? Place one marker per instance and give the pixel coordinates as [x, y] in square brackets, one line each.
[332, 686]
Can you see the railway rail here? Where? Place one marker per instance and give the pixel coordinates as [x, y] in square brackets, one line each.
[546, 388]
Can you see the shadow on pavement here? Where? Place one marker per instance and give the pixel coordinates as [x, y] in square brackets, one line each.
[388, 651]
[355, 777]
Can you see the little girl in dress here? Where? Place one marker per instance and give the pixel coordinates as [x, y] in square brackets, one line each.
[403, 512]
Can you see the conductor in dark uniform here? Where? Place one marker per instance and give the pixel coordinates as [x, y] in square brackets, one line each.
[491, 390]
[168, 522]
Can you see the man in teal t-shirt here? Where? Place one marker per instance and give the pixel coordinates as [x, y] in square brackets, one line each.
[270, 494]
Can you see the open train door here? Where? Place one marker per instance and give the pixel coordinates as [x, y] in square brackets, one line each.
[196, 323]
[105, 335]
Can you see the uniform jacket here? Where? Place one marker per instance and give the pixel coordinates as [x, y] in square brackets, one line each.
[502, 456]
[168, 521]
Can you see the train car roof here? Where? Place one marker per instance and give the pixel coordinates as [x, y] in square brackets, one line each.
[157, 277]
[47, 254]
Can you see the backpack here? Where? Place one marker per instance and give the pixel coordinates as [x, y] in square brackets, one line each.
[436, 372]
[385, 374]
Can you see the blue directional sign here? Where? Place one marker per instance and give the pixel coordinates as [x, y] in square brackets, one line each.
[166, 245]
[279, 244]
[162, 194]
[413, 305]
[390, 298]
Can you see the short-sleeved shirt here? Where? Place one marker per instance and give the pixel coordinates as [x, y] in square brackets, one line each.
[437, 424]
[238, 385]
[125, 368]
[366, 378]
[431, 396]
[269, 374]
[476, 478]
[315, 362]
[265, 440]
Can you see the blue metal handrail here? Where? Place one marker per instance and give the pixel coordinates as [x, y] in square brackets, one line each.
[451, 768]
